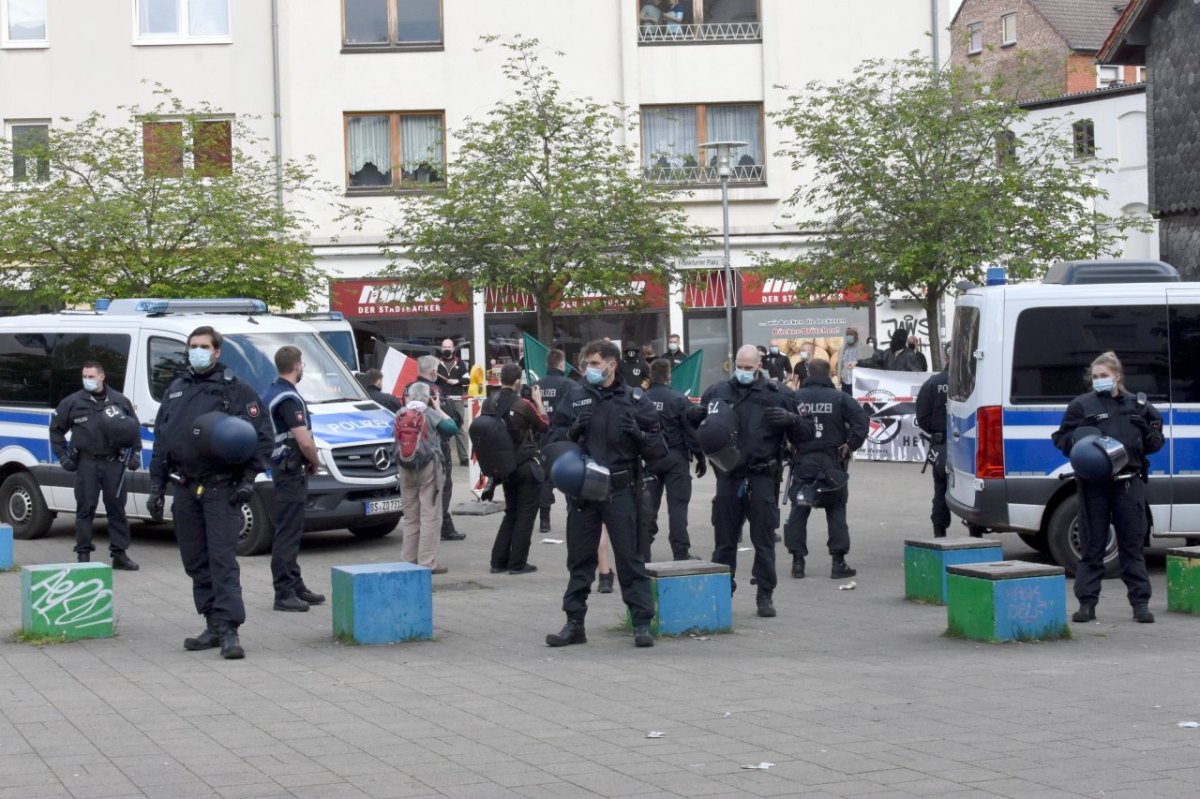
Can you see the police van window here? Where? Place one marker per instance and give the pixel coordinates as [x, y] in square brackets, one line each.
[25, 369]
[1185, 353]
[72, 350]
[1053, 347]
[251, 356]
[965, 342]
[166, 359]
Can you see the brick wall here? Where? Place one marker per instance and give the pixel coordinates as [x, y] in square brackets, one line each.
[1036, 40]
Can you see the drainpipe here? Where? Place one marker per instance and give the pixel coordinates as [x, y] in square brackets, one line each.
[278, 103]
[933, 14]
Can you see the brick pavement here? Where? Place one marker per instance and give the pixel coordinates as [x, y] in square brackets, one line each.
[848, 693]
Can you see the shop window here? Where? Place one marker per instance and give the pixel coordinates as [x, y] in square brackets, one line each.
[182, 21]
[672, 135]
[394, 151]
[23, 23]
[165, 153]
[30, 159]
[401, 24]
[680, 21]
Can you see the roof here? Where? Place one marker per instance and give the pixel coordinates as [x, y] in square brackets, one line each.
[1085, 97]
[1085, 24]
[1126, 43]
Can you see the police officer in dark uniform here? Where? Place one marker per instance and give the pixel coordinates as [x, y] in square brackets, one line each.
[556, 388]
[1119, 499]
[293, 459]
[105, 440]
[777, 364]
[675, 353]
[208, 491]
[766, 412]
[931, 418]
[820, 462]
[615, 425]
[634, 369]
[670, 473]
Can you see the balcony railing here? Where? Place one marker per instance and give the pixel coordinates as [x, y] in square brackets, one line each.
[747, 173]
[703, 32]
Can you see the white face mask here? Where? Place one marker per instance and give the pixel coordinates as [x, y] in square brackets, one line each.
[91, 384]
[673, 347]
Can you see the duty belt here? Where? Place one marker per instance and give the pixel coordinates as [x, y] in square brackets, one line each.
[90, 457]
[621, 479]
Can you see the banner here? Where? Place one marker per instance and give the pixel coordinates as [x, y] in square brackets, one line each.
[535, 360]
[398, 371]
[686, 376]
[890, 400]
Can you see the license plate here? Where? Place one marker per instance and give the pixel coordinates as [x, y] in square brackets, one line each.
[377, 506]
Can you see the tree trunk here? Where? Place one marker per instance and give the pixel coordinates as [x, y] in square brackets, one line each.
[933, 302]
[545, 322]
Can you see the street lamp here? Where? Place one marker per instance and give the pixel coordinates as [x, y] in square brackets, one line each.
[724, 169]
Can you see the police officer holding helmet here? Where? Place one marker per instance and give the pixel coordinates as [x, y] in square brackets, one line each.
[1107, 433]
[765, 414]
[211, 439]
[615, 425]
[105, 440]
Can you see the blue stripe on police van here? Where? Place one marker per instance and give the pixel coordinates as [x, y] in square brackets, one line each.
[1031, 456]
[40, 418]
[1033, 416]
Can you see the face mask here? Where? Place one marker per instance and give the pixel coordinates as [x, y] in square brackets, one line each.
[774, 350]
[447, 354]
[91, 384]
[851, 339]
[594, 375]
[673, 347]
[1103, 385]
[912, 346]
[744, 376]
[200, 358]
[804, 356]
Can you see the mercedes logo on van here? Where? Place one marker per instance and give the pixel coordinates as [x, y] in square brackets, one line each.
[383, 459]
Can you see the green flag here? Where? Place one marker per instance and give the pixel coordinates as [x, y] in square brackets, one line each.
[535, 360]
[686, 376]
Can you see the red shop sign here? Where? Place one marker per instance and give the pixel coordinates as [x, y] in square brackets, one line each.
[379, 298]
[773, 292]
[648, 292]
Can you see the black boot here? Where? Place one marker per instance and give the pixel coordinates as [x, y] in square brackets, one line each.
[841, 569]
[766, 608]
[798, 567]
[291, 603]
[231, 647]
[642, 636]
[122, 561]
[605, 585]
[1142, 614]
[83, 557]
[571, 633]
[939, 531]
[206, 640]
[311, 597]
[1086, 612]
[544, 527]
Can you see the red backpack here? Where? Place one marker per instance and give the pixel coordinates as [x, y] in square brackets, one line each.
[414, 439]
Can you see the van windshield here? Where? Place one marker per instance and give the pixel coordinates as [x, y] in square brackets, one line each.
[342, 343]
[326, 379]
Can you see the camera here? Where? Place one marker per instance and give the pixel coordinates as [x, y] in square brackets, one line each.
[526, 392]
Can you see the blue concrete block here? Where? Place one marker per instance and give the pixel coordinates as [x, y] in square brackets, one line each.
[6, 547]
[382, 603]
[690, 597]
[1007, 601]
[926, 559]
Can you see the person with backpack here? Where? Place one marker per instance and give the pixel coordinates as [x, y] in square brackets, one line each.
[525, 422]
[419, 453]
[556, 388]
[427, 373]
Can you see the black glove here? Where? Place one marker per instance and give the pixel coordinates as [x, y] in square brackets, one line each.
[68, 463]
[701, 466]
[1140, 422]
[156, 503]
[580, 426]
[243, 493]
[133, 461]
[629, 426]
[780, 418]
[697, 412]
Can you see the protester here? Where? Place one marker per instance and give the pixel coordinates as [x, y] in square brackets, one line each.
[452, 378]
[427, 370]
[527, 423]
[421, 483]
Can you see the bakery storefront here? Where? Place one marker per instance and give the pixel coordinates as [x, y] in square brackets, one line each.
[414, 326]
[771, 311]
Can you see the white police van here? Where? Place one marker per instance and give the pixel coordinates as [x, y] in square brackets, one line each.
[1020, 353]
[141, 343]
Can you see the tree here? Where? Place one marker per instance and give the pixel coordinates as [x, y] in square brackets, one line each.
[171, 202]
[542, 198]
[924, 177]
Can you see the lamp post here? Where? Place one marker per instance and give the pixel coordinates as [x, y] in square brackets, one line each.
[724, 169]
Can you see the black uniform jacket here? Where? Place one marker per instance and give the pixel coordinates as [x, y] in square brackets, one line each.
[79, 414]
[1135, 423]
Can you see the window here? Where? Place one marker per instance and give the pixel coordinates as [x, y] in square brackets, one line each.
[1053, 347]
[182, 21]
[167, 360]
[674, 21]
[29, 143]
[398, 150]
[1083, 132]
[165, 152]
[1109, 76]
[961, 384]
[24, 23]
[375, 24]
[1185, 353]
[25, 368]
[1006, 148]
[672, 135]
[1140, 74]
[71, 350]
[1008, 29]
[40, 369]
[974, 38]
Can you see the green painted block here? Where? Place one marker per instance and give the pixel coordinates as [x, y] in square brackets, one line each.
[67, 600]
[970, 608]
[1007, 601]
[1183, 580]
[923, 575]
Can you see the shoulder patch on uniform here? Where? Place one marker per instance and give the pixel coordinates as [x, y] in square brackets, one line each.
[252, 409]
[175, 395]
[299, 416]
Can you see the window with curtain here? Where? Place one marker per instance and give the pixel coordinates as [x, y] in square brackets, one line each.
[672, 135]
[24, 22]
[401, 24]
[183, 20]
[29, 142]
[394, 150]
[675, 21]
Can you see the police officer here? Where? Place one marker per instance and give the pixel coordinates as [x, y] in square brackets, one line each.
[675, 353]
[670, 473]
[931, 418]
[840, 428]
[427, 373]
[293, 459]
[1119, 499]
[555, 387]
[105, 440]
[615, 425]
[208, 491]
[766, 412]
[634, 369]
[777, 364]
[526, 421]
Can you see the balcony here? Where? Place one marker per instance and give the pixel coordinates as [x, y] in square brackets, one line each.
[700, 33]
[749, 174]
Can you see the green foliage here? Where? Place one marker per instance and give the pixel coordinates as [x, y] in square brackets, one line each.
[916, 187]
[542, 197]
[129, 213]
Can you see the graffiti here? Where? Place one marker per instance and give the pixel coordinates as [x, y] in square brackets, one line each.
[1027, 605]
[63, 602]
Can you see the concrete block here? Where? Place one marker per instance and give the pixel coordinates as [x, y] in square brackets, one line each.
[690, 596]
[1007, 601]
[382, 603]
[926, 559]
[1183, 579]
[67, 600]
[6, 546]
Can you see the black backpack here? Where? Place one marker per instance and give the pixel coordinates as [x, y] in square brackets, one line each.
[491, 441]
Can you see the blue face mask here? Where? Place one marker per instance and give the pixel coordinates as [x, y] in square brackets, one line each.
[851, 339]
[594, 375]
[1103, 385]
[200, 358]
[90, 384]
[744, 376]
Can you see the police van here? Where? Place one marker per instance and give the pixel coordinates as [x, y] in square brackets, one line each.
[1020, 353]
[141, 343]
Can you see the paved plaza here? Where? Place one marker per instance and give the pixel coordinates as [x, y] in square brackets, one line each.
[847, 693]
